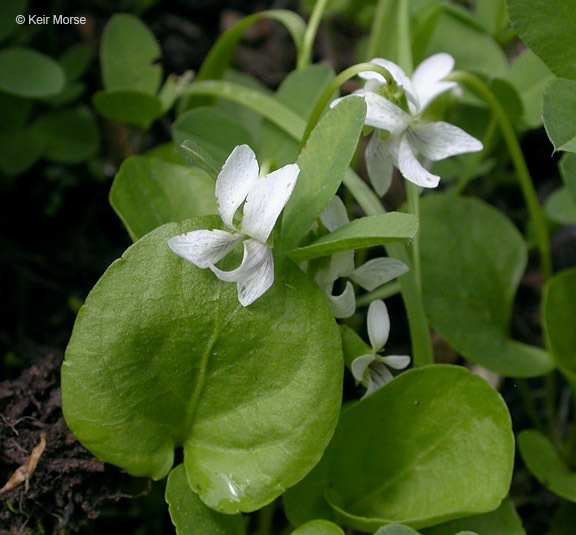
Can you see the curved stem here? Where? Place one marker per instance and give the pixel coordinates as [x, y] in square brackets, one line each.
[477, 86]
[343, 77]
[305, 56]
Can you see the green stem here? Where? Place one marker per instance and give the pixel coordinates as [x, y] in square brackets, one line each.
[265, 519]
[384, 292]
[487, 140]
[305, 56]
[477, 86]
[529, 405]
[378, 30]
[413, 193]
[404, 42]
[551, 405]
[326, 97]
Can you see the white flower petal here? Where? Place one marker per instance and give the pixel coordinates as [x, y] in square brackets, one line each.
[396, 362]
[401, 79]
[238, 176]
[412, 169]
[440, 140]
[432, 70]
[266, 200]
[334, 215]
[380, 375]
[381, 113]
[429, 93]
[258, 283]
[204, 247]
[379, 165]
[359, 369]
[255, 254]
[377, 272]
[378, 324]
[343, 305]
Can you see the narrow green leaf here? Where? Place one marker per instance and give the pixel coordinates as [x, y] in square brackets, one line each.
[359, 234]
[27, 73]
[548, 28]
[127, 53]
[148, 192]
[501, 521]
[558, 312]
[128, 107]
[318, 527]
[220, 55]
[189, 514]
[400, 448]
[172, 89]
[163, 356]
[323, 164]
[546, 465]
[558, 112]
[68, 136]
[472, 262]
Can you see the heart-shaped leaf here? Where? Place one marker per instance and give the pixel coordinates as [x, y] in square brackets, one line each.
[472, 262]
[558, 112]
[396, 451]
[163, 356]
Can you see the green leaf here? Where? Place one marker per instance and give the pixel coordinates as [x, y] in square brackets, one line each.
[189, 514]
[19, 150]
[167, 152]
[396, 529]
[215, 131]
[559, 311]
[546, 465]
[128, 107]
[127, 53]
[529, 75]
[558, 112]
[560, 207]
[564, 520]
[68, 136]
[172, 89]
[472, 261]
[548, 28]
[568, 172]
[220, 54]
[501, 521]
[196, 154]
[509, 98]
[323, 164]
[359, 234]
[318, 527]
[27, 73]
[492, 14]
[148, 192]
[76, 60]
[299, 91]
[396, 451]
[8, 11]
[14, 112]
[163, 356]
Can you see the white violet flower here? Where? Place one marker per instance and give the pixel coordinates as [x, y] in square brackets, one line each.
[263, 198]
[371, 370]
[407, 141]
[369, 275]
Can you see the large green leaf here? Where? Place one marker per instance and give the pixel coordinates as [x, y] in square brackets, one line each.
[558, 315]
[214, 130]
[127, 52]
[359, 234]
[163, 356]
[68, 136]
[149, 192]
[433, 432]
[318, 527]
[561, 207]
[546, 465]
[19, 150]
[548, 28]
[472, 262]
[323, 164]
[501, 521]
[396, 529]
[189, 514]
[299, 91]
[558, 112]
[568, 172]
[27, 73]
[128, 107]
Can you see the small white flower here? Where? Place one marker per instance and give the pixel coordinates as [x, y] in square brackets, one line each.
[371, 370]
[369, 276]
[263, 198]
[409, 140]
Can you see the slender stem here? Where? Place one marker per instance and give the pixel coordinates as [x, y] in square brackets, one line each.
[413, 193]
[551, 405]
[526, 184]
[385, 291]
[529, 405]
[487, 140]
[265, 519]
[305, 56]
[343, 77]
[378, 30]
